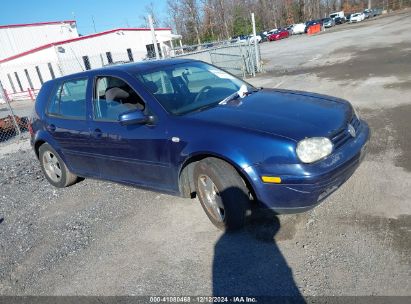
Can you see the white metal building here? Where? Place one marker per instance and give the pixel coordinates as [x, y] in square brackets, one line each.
[18, 38]
[31, 54]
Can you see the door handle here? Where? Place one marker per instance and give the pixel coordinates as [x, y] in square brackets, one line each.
[97, 133]
[51, 128]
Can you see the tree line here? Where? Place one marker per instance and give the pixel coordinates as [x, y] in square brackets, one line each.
[200, 21]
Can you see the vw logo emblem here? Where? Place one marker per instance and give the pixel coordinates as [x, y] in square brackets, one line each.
[351, 130]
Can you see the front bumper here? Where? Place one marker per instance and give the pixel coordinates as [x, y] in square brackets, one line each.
[304, 186]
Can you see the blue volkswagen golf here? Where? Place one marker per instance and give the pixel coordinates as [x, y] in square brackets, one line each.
[187, 128]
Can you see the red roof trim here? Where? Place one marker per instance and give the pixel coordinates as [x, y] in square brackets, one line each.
[37, 24]
[77, 39]
[108, 32]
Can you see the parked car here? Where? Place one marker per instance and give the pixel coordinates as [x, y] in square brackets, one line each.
[279, 34]
[240, 39]
[189, 48]
[357, 17]
[339, 20]
[298, 28]
[289, 28]
[368, 13]
[328, 22]
[187, 128]
[376, 11]
[339, 14]
[263, 37]
[251, 38]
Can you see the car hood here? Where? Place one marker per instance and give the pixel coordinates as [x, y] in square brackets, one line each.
[292, 114]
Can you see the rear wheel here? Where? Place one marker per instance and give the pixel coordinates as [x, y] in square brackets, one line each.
[222, 193]
[54, 167]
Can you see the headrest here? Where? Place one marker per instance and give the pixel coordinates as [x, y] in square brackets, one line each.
[114, 93]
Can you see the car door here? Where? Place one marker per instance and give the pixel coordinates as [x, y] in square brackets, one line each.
[137, 153]
[67, 124]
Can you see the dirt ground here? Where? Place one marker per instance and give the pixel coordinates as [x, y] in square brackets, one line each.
[100, 238]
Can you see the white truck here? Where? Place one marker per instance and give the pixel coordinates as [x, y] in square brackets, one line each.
[337, 14]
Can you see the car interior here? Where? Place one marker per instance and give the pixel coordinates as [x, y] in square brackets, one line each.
[114, 97]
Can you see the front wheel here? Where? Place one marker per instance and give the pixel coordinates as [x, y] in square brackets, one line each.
[222, 193]
[54, 167]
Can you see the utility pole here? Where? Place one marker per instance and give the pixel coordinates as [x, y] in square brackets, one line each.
[369, 4]
[153, 34]
[257, 55]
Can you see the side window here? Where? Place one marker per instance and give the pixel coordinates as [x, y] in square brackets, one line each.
[113, 97]
[70, 100]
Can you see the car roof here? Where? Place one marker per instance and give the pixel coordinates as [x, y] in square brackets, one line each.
[132, 68]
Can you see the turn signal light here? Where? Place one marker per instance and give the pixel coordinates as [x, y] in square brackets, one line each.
[271, 179]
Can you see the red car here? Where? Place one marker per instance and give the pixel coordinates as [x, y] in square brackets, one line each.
[278, 34]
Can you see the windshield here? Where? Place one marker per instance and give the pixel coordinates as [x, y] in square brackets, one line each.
[191, 86]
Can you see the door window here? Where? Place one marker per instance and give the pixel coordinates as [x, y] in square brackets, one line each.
[70, 100]
[113, 97]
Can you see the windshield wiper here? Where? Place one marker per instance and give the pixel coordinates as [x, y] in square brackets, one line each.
[231, 97]
[199, 109]
[236, 95]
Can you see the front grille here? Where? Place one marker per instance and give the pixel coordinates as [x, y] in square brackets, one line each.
[342, 136]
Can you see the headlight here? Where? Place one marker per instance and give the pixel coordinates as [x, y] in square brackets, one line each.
[312, 149]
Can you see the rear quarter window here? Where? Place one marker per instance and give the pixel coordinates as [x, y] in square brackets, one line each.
[69, 100]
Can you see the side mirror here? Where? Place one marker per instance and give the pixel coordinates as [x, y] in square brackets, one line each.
[135, 117]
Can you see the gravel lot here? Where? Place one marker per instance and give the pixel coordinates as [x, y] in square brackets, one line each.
[100, 238]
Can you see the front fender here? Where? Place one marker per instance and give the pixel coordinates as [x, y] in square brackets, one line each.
[243, 152]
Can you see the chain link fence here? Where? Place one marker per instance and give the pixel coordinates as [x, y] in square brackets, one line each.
[14, 122]
[237, 58]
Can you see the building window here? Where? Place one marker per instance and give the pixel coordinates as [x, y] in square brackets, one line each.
[18, 81]
[28, 79]
[151, 52]
[39, 74]
[51, 71]
[11, 83]
[86, 62]
[130, 55]
[109, 58]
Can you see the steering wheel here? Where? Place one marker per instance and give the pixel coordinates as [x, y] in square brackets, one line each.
[201, 92]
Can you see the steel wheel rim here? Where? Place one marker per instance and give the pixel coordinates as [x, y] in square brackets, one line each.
[211, 197]
[52, 166]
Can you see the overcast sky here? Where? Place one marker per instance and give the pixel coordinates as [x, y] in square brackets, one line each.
[107, 14]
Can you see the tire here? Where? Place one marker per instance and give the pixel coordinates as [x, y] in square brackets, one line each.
[222, 193]
[54, 168]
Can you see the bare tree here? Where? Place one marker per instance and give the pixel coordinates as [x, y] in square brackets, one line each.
[150, 10]
[193, 17]
[198, 20]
